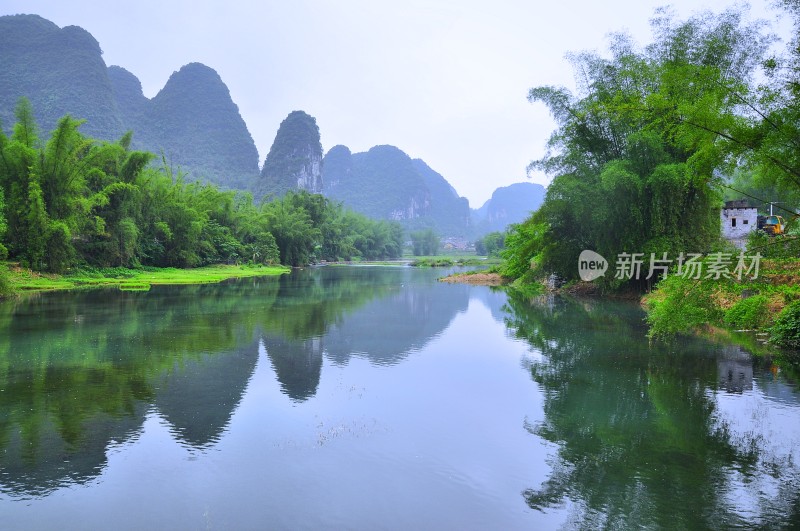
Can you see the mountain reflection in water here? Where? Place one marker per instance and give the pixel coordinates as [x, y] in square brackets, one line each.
[80, 370]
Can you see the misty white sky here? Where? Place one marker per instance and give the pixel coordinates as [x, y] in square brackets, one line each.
[443, 80]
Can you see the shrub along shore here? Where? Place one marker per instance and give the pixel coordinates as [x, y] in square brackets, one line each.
[769, 304]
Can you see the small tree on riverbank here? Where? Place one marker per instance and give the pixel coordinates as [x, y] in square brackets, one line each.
[424, 242]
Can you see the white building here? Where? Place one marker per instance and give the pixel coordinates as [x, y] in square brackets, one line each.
[738, 219]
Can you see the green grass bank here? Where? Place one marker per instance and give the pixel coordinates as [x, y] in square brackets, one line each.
[21, 279]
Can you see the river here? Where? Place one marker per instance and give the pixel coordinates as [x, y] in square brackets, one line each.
[379, 398]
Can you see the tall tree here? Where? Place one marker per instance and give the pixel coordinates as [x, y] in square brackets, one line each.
[3, 225]
[768, 144]
[17, 161]
[62, 165]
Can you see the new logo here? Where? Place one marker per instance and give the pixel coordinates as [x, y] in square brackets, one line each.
[591, 265]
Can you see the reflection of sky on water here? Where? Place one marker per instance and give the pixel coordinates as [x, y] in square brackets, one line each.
[764, 418]
[767, 411]
[761, 414]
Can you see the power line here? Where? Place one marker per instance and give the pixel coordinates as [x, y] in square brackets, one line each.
[793, 213]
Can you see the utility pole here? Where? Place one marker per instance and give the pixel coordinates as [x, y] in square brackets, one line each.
[774, 203]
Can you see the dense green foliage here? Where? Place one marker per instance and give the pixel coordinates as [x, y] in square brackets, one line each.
[522, 246]
[682, 304]
[294, 160]
[3, 225]
[750, 313]
[779, 248]
[310, 227]
[635, 155]
[786, 331]
[491, 244]
[76, 201]
[756, 142]
[5, 287]
[766, 142]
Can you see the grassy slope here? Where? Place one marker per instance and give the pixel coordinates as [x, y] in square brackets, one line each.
[680, 305]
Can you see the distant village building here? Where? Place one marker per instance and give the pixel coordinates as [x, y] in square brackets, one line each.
[459, 244]
[738, 219]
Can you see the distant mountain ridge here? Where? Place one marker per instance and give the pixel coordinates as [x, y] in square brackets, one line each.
[192, 120]
[385, 183]
[195, 124]
[294, 161]
[198, 126]
[60, 70]
[508, 204]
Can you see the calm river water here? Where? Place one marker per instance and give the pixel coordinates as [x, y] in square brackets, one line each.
[378, 398]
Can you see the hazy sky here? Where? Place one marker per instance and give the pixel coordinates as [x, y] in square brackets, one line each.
[445, 81]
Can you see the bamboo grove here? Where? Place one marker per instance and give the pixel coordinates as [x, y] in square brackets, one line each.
[73, 201]
[645, 149]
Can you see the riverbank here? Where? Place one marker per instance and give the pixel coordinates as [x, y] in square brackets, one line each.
[478, 278]
[22, 279]
[455, 260]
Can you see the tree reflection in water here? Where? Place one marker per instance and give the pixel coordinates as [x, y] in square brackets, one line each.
[640, 441]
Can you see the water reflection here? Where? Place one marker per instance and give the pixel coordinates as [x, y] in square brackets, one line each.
[79, 371]
[402, 315]
[297, 365]
[386, 330]
[43, 446]
[735, 369]
[642, 440]
[687, 435]
[197, 396]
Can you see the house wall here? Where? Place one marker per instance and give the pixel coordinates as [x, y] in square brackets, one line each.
[738, 222]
